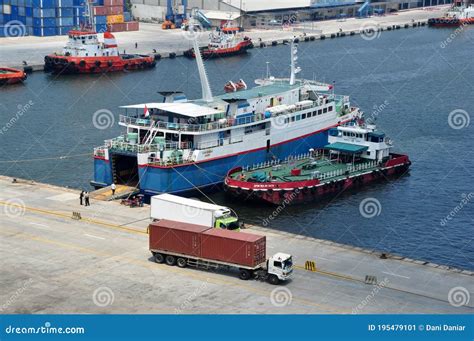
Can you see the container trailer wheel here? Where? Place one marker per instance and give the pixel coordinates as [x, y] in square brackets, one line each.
[159, 258]
[170, 260]
[182, 262]
[273, 279]
[244, 274]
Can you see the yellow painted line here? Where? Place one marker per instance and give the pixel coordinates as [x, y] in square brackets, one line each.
[328, 273]
[183, 272]
[63, 215]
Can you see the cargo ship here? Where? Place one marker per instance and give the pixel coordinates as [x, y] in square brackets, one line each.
[458, 15]
[227, 41]
[356, 154]
[84, 53]
[9, 76]
[181, 146]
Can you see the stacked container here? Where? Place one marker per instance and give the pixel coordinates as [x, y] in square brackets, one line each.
[58, 17]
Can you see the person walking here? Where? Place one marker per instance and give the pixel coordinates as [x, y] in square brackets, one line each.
[81, 196]
[136, 45]
[113, 187]
[86, 197]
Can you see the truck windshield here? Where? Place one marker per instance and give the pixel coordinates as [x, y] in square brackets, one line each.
[287, 263]
[233, 225]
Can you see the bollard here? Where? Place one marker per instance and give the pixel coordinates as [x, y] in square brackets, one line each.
[76, 215]
[370, 279]
[310, 266]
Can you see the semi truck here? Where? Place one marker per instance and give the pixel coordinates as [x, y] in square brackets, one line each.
[172, 207]
[183, 244]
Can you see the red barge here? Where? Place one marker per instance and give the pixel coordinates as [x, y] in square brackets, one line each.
[356, 155]
[458, 15]
[10, 76]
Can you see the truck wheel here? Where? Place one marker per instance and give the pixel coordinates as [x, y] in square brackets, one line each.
[170, 260]
[244, 275]
[182, 262]
[159, 258]
[273, 279]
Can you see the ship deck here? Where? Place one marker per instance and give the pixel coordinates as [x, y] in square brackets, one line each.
[326, 170]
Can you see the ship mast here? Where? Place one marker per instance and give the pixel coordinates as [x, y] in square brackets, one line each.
[206, 89]
[294, 68]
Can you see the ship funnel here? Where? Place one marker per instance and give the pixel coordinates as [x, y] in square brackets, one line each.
[294, 58]
[206, 89]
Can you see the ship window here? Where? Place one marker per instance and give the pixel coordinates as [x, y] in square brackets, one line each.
[287, 120]
[320, 112]
[298, 117]
[325, 110]
[330, 108]
[292, 118]
[87, 54]
[303, 116]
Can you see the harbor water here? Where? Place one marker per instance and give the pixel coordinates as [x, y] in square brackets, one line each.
[416, 83]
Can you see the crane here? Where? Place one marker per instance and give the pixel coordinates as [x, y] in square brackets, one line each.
[173, 19]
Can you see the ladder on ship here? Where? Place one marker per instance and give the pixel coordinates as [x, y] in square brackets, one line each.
[150, 135]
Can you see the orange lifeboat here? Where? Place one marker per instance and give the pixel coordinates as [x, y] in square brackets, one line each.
[11, 76]
[233, 87]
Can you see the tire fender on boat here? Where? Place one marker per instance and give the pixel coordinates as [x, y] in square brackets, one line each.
[82, 63]
[97, 63]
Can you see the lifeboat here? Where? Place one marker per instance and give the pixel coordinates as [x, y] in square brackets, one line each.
[10, 76]
[233, 87]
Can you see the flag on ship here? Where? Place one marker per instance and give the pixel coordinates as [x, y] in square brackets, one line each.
[146, 113]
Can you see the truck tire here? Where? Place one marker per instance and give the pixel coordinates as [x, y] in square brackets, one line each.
[244, 274]
[273, 279]
[182, 262]
[170, 260]
[159, 258]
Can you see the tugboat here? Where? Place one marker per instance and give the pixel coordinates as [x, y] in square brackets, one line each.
[84, 53]
[228, 41]
[357, 154]
[458, 15]
[10, 76]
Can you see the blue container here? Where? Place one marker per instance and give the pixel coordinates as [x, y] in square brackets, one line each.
[64, 3]
[127, 16]
[2, 20]
[64, 21]
[45, 31]
[44, 13]
[21, 3]
[28, 3]
[44, 22]
[77, 2]
[65, 30]
[14, 11]
[100, 28]
[44, 3]
[14, 2]
[29, 21]
[29, 11]
[100, 19]
[21, 11]
[65, 12]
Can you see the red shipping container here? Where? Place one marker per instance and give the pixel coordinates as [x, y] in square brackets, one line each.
[113, 3]
[132, 26]
[99, 10]
[114, 10]
[176, 237]
[118, 27]
[233, 247]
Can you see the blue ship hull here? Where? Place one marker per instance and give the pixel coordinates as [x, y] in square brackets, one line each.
[183, 179]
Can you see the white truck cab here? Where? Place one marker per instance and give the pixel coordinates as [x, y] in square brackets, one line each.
[279, 267]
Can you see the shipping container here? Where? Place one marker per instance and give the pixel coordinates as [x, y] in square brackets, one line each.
[127, 16]
[29, 11]
[64, 12]
[176, 237]
[132, 26]
[64, 3]
[100, 19]
[115, 19]
[112, 10]
[44, 22]
[44, 12]
[101, 28]
[44, 3]
[117, 27]
[233, 247]
[45, 31]
[65, 21]
[65, 30]
[113, 3]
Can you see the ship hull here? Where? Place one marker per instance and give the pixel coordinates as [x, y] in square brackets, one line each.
[298, 193]
[209, 54]
[12, 76]
[206, 175]
[449, 22]
[93, 65]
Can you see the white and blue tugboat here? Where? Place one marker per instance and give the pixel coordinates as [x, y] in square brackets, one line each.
[180, 145]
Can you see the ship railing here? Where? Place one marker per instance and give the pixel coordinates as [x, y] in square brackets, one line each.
[127, 146]
[100, 151]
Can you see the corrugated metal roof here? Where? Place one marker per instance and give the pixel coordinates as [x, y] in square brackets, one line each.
[220, 15]
[267, 5]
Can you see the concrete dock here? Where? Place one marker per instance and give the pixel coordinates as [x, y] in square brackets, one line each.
[60, 257]
[151, 37]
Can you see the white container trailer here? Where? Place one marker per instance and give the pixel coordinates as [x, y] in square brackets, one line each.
[191, 211]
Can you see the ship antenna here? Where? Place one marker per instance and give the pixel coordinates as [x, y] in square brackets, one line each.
[206, 89]
[294, 68]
